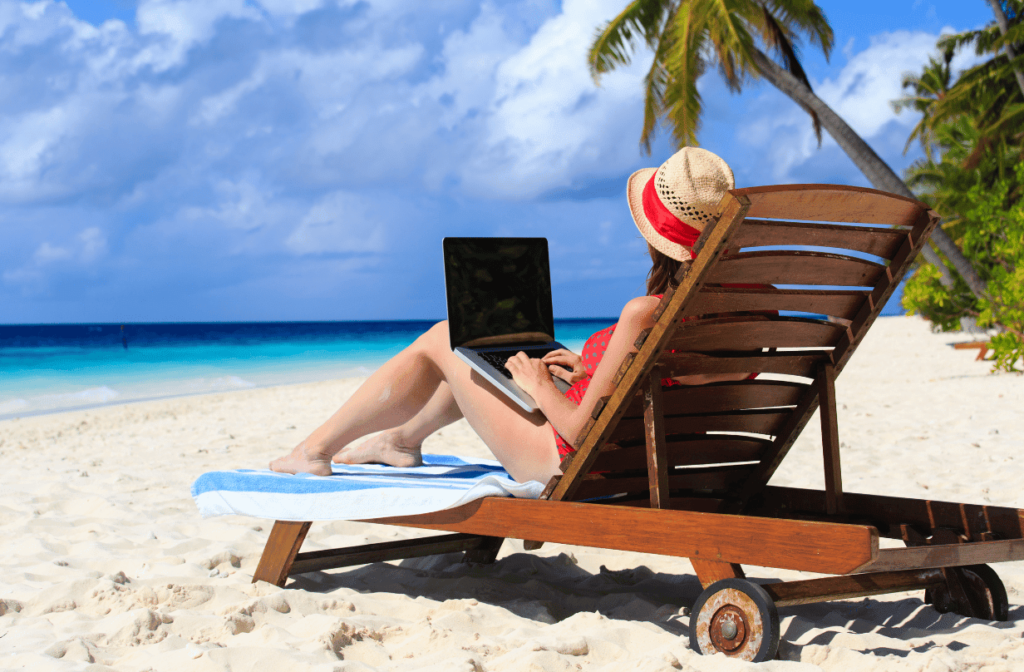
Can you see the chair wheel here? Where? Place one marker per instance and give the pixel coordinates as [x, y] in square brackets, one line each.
[737, 618]
[981, 594]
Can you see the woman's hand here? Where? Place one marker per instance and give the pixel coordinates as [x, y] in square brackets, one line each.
[557, 359]
[529, 374]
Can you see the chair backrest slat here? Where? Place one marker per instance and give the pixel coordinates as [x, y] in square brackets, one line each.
[830, 203]
[875, 241]
[740, 333]
[803, 364]
[795, 267]
[718, 397]
[843, 304]
[756, 421]
[686, 450]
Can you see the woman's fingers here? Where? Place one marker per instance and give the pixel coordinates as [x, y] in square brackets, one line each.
[561, 372]
[559, 361]
[517, 364]
[528, 373]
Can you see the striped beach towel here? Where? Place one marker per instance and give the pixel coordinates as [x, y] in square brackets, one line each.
[357, 492]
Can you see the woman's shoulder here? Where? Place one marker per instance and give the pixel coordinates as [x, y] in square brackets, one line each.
[641, 307]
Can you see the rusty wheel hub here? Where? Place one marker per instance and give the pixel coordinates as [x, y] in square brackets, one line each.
[728, 629]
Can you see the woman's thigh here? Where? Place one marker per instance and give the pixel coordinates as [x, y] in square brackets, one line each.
[521, 441]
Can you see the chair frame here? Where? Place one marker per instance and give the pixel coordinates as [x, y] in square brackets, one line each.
[829, 532]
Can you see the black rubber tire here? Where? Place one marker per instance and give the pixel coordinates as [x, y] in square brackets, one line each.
[995, 604]
[758, 651]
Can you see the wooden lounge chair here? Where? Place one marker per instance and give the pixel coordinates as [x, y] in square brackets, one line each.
[981, 346]
[683, 471]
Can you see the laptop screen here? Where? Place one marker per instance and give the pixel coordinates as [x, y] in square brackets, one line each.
[498, 287]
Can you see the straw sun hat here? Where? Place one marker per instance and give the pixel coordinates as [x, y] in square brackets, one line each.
[672, 204]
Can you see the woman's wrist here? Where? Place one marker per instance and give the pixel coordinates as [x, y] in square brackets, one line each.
[558, 410]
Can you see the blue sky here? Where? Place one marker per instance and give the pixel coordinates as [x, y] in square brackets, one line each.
[232, 160]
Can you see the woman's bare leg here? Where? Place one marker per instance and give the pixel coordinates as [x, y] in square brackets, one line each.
[401, 446]
[397, 391]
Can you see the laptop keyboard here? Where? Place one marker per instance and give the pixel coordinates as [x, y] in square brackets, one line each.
[497, 359]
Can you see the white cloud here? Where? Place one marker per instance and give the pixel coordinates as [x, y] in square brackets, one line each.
[470, 59]
[183, 24]
[85, 248]
[327, 81]
[47, 253]
[864, 89]
[27, 142]
[340, 222]
[93, 244]
[81, 251]
[243, 204]
[290, 8]
[547, 124]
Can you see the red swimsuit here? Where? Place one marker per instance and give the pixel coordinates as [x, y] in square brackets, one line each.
[593, 351]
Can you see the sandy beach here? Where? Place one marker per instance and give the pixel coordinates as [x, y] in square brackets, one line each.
[106, 563]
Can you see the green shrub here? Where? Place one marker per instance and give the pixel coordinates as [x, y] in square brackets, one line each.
[993, 240]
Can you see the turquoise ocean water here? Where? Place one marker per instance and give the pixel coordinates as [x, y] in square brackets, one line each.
[49, 368]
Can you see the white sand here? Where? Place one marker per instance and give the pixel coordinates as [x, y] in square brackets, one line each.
[105, 562]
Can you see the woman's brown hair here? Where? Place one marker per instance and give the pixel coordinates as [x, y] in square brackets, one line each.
[663, 272]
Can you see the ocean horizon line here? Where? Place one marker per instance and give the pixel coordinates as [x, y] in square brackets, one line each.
[296, 322]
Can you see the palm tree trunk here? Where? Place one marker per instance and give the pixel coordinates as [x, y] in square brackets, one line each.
[874, 168]
[1004, 25]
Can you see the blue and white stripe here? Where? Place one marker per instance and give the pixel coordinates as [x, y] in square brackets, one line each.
[357, 492]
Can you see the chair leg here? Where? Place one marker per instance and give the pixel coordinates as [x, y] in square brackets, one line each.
[487, 553]
[709, 571]
[278, 555]
[830, 439]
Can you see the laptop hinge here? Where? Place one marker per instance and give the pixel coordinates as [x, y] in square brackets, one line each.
[525, 337]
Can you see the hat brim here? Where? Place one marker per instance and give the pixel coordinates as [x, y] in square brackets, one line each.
[635, 195]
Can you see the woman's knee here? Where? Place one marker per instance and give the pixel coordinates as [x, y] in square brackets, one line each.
[433, 344]
[436, 333]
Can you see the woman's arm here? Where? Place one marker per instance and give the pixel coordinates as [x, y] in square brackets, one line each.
[535, 379]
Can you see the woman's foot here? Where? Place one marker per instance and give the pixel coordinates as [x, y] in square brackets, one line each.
[385, 448]
[303, 461]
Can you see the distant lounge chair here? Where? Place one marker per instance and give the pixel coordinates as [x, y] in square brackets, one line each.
[981, 346]
[683, 471]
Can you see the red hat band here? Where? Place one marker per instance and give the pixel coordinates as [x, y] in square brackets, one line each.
[663, 221]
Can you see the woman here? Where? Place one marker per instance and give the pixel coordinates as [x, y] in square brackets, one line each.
[426, 387]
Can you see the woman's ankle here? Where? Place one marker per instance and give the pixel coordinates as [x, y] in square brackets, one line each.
[403, 440]
[316, 451]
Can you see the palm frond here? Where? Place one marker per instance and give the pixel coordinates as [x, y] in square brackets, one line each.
[614, 43]
[958, 41]
[928, 90]
[803, 16]
[655, 83]
[728, 25]
[684, 64]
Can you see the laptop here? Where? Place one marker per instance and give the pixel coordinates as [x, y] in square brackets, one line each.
[499, 303]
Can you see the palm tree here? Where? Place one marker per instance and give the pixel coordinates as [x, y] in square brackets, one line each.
[688, 36]
[986, 92]
[926, 92]
[1008, 37]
